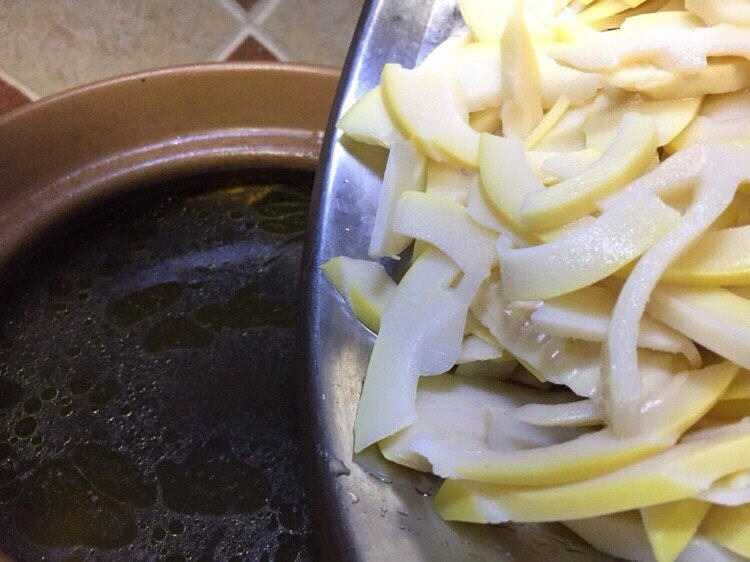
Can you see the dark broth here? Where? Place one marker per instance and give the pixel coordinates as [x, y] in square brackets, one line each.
[147, 380]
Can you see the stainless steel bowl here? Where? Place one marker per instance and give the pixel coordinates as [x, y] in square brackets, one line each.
[364, 508]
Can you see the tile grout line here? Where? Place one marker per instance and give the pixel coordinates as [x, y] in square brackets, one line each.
[234, 9]
[235, 42]
[26, 91]
[260, 12]
[257, 33]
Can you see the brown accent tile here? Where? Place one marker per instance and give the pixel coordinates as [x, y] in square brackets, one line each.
[316, 31]
[247, 4]
[10, 98]
[251, 50]
[50, 46]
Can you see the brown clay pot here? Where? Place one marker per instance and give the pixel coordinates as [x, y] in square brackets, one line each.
[65, 155]
[72, 151]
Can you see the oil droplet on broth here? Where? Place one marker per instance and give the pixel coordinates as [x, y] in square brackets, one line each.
[176, 333]
[141, 304]
[103, 391]
[114, 474]
[79, 383]
[49, 394]
[32, 405]
[25, 427]
[59, 507]
[158, 534]
[210, 484]
[176, 527]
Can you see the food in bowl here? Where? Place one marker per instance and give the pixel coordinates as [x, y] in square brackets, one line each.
[568, 181]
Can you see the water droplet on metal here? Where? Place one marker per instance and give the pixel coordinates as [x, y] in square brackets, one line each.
[338, 468]
[384, 478]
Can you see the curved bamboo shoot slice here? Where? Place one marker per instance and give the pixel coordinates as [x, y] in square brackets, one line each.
[425, 106]
[506, 179]
[448, 181]
[564, 362]
[595, 251]
[704, 128]
[670, 116]
[676, 49]
[472, 402]
[476, 70]
[726, 106]
[566, 165]
[714, 317]
[475, 348]
[684, 401]
[721, 168]
[405, 170]
[558, 80]
[616, 19]
[671, 526]
[584, 314]
[522, 110]
[446, 225]
[368, 121]
[661, 20]
[386, 404]
[622, 535]
[485, 18]
[731, 490]
[567, 135]
[722, 75]
[486, 120]
[582, 413]
[479, 210]
[719, 257]
[549, 120]
[682, 472]
[603, 9]
[729, 527]
[740, 388]
[468, 399]
[365, 286]
[735, 12]
[623, 161]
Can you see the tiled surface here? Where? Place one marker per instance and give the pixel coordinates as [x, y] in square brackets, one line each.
[251, 49]
[322, 28]
[48, 46]
[51, 46]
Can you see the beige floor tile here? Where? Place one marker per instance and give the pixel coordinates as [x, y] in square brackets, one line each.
[316, 31]
[52, 45]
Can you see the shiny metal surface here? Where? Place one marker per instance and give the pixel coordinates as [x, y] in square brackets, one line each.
[364, 508]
